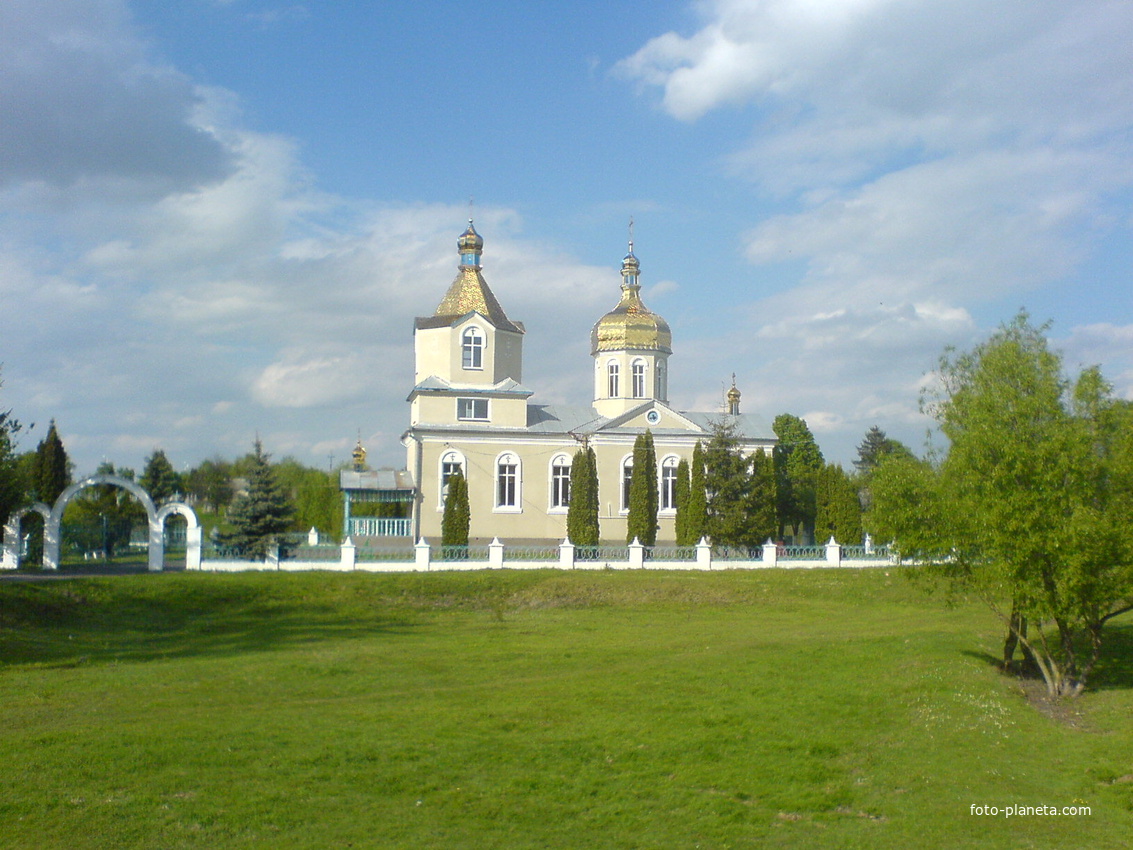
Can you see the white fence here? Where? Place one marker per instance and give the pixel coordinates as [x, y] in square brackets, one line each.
[424, 558]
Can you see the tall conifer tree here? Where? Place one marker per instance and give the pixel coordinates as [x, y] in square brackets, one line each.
[52, 467]
[262, 514]
[582, 512]
[457, 519]
[681, 494]
[697, 523]
[642, 520]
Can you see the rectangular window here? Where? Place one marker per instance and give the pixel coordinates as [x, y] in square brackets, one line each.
[560, 486]
[472, 408]
[668, 487]
[506, 485]
[612, 380]
[639, 380]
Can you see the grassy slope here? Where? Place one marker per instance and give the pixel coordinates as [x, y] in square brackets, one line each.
[544, 709]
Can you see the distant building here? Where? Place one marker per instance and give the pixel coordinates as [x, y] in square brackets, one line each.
[469, 410]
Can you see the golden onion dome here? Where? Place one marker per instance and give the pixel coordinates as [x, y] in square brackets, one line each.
[470, 245]
[631, 325]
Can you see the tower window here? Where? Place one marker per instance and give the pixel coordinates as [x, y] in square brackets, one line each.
[472, 408]
[507, 481]
[638, 373]
[472, 349]
[560, 482]
[662, 392]
[612, 379]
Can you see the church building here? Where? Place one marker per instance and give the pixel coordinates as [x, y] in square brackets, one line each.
[471, 411]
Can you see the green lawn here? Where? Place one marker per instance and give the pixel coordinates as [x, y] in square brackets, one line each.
[825, 708]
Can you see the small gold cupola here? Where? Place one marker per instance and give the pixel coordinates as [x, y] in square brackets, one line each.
[631, 325]
[734, 398]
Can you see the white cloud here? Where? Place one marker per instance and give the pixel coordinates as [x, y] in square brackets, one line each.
[926, 158]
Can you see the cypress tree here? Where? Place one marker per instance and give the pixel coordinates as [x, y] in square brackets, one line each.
[761, 508]
[642, 520]
[681, 497]
[52, 467]
[457, 518]
[838, 510]
[582, 512]
[263, 513]
[697, 522]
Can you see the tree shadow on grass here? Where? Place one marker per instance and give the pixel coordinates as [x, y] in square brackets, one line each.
[128, 618]
[1114, 670]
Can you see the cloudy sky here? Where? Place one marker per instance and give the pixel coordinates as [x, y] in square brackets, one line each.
[218, 218]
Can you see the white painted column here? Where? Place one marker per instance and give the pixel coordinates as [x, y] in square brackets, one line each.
[422, 554]
[636, 555]
[496, 554]
[349, 554]
[703, 554]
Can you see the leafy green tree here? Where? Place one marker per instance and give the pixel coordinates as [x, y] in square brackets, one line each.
[582, 511]
[457, 518]
[13, 486]
[1029, 508]
[797, 463]
[838, 511]
[262, 514]
[102, 517]
[52, 473]
[740, 513]
[315, 496]
[160, 479]
[211, 483]
[641, 524]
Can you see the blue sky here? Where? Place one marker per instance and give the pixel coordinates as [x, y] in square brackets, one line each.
[218, 219]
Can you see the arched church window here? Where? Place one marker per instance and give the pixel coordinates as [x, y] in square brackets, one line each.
[472, 349]
[612, 379]
[669, 483]
[560, 481]
[627, 480]
[507, 481]
[638, 373]
[451, 463]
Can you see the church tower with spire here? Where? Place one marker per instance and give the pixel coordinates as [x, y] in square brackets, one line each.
[468, 355]
[631, 346]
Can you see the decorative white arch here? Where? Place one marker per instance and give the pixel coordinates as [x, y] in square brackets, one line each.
[192, 533]
[10, 557]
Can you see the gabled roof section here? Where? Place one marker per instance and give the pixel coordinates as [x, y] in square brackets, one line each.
[667, 419]
[506, 387]
[469, 293]
[747, 426]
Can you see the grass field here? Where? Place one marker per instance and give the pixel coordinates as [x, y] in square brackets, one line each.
[826, 708]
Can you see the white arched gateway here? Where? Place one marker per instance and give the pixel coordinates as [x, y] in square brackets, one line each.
[155, 518]
[10, 558]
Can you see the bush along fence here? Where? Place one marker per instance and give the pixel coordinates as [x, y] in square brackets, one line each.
[424, 557]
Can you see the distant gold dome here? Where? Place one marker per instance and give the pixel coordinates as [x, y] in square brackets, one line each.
[631, 325]
[470, 241]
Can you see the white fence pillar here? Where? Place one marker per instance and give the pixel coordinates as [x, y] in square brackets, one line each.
[636, 555]
[272, 557]
[770, 554]
[703, 554]
[422, 554]
[193, 547]
[349, 554]
[566, 555]
[495, 554]
[833, 552]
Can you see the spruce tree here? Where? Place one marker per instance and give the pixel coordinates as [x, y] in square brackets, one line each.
[582, 512]
[457, 518]
[798, 461]
[262, 514]
[696, 526]
[160, 479]
[681, 494]
[642, 520]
